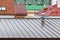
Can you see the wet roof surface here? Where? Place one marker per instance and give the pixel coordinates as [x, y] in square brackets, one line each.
[29, 28]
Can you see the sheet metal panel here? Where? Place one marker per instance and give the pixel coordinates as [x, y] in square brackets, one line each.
[29, 28]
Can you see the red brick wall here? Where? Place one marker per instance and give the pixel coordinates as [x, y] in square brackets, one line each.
[9, 4]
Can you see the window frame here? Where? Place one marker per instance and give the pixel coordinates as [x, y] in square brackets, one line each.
[2, 8]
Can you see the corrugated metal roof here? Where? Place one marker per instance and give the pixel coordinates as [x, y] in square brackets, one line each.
[29, 28]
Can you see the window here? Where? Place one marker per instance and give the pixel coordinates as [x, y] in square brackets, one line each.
[18, 2]
[35, 0]
[42, 1]
[2, 8]
[25, 0]
[14, 0]
[26, 3]
[38, 3]
[49, 2]
[29, 3]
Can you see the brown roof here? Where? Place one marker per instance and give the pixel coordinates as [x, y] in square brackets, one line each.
[9, 4]
[20, 9]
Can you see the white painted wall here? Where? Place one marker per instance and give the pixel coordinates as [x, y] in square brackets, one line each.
[54, 2]
[58, 3]
[7, 16]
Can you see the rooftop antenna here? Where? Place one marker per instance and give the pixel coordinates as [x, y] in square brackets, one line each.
[42, 19]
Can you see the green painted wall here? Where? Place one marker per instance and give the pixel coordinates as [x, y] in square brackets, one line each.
[33, 2]
[34, 7]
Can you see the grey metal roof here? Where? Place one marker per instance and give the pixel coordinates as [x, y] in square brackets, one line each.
[29, 28]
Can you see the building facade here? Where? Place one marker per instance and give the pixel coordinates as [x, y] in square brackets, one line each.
[34, 4]
[7, 7]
